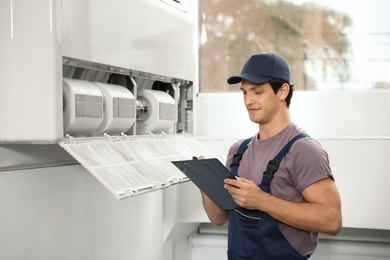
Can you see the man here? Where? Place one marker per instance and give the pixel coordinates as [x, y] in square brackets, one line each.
[303, 200]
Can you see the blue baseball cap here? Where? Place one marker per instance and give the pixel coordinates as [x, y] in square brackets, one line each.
[261, 68]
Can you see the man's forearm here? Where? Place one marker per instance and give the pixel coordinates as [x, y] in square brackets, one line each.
[216, 215]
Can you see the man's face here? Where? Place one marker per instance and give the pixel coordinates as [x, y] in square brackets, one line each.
[260, 101]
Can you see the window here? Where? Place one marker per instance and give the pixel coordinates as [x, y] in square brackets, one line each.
[335, 45]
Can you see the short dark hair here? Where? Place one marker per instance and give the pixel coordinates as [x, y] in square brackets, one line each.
[276, 84]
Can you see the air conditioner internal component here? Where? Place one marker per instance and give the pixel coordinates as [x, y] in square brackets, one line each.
[83, 107]
[119, 109]
[161, 113]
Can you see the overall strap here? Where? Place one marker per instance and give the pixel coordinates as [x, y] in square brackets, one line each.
[273, 165]
[238, 156]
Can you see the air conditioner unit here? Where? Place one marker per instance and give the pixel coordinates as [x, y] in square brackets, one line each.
[100, 78]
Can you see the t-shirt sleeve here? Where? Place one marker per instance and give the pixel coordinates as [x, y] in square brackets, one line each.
[310, 163]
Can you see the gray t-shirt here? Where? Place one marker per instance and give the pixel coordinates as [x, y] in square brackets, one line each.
[305, 164]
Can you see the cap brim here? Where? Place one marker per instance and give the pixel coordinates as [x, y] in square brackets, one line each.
[258, 79]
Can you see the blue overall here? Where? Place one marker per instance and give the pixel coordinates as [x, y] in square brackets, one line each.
[253, 234]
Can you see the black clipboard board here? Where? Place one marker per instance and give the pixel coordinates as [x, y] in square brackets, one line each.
[209, 175]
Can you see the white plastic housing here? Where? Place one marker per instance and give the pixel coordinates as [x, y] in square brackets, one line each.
[119, 109]
[36, 36]
[30, 71]
[143, 35]
[161, 112]
[83, 107]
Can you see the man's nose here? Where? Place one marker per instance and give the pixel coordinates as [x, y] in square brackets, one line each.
[248, 99]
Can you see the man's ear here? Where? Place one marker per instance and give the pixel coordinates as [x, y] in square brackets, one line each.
[283, 91]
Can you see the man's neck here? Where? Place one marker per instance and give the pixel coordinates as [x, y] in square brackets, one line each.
[273, 128]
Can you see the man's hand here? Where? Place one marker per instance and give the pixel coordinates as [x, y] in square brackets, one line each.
[245, 193]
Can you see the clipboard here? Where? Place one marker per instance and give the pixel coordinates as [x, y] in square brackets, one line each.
[209, 175]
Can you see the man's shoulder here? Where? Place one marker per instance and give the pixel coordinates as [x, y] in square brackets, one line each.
[236, 145]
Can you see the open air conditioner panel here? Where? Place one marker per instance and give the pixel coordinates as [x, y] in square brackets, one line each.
[129, 166]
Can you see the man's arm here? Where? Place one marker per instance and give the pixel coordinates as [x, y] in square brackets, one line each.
[216, 215]
[320, 213]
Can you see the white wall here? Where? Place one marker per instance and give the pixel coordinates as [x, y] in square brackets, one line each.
[65, 213]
